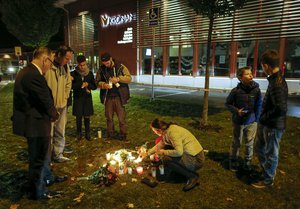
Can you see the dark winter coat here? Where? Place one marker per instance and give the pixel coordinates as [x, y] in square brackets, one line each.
[275, 103]
[247, 97]
[33, 106]
[82, 99]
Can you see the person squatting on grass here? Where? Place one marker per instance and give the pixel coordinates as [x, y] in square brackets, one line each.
[244, 102]
[180, 150]
[272, 122]
[82, 84]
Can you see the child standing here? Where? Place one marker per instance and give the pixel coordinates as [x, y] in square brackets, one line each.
[244, 102]
[82, 84]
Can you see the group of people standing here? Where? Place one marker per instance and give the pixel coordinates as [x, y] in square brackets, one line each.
[40, 103]
[42, 90]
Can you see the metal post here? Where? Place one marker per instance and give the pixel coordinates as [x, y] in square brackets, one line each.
[152, 63]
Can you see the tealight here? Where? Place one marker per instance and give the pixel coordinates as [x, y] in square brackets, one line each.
[108, 156]
[139, 170]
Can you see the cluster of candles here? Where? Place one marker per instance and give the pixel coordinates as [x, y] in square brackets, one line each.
[115, 160]
[125, 163]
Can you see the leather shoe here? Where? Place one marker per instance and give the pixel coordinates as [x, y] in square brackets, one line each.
[57, 179]
[191, 184]
[46, 196]
[51, 194]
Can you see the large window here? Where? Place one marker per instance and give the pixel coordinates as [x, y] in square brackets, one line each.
[292, 59]
[173, 60]
[222, 59]
[186, 60]
[245, 53]
[146, 56]
[201, 59]
[263, 46]
[146, 63]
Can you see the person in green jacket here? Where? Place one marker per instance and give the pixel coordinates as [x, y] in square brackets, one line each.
[181, 152]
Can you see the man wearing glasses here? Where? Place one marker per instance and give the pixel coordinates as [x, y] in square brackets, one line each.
[33, 111]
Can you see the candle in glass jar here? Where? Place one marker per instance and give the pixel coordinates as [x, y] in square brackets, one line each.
[161, 170]
[129, 170]
[153, 172]
[139, 170]
[108, 156]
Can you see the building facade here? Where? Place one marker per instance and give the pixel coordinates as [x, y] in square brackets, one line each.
[164, 41]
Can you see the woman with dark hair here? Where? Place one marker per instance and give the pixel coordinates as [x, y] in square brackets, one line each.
[180, 150]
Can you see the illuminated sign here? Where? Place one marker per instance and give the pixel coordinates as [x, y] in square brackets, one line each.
[127, 36]
[115, 20]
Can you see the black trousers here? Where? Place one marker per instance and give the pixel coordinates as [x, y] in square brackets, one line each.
[38, 150]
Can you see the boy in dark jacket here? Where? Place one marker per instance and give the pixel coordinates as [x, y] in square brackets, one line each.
[244, 102]
[272, 122]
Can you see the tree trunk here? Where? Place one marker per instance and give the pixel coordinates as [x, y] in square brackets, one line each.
[207, 74]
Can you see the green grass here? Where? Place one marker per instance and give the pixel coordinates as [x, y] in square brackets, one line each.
[219, 187]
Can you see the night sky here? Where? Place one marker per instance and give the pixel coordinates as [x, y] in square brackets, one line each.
[7, 40]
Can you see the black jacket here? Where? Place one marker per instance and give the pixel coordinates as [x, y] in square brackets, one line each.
[247, 97]
[33, 106]
[275, 103]
[82, 98]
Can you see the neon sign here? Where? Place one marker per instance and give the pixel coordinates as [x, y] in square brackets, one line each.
[115, 20]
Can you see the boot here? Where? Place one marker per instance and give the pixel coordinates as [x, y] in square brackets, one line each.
[78, 128]
[87, 128]
[191, 176]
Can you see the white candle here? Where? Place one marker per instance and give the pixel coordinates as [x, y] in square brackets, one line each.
[139, 170]
[129, 170]
[108, 156]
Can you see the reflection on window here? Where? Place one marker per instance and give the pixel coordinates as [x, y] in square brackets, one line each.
[186, 60]
[245, 53]
[173, 60]
[201, 59]
[263, 46]
[292, 59]
[222, 58]
[146, 56]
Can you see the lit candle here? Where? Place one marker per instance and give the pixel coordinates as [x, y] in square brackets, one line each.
[139, 170]
[129, 170]
[108, 156]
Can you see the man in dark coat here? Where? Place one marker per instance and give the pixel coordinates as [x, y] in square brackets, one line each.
[82, 84]
[33, 111]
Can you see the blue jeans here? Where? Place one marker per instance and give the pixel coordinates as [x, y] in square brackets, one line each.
[267, 149]
[240, 132]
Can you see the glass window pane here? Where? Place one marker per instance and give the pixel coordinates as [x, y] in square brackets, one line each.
[245, 54]
[186, 60]
[292, 59]
[146, 61]
[222, 59]
[263, 46]
[173, 60]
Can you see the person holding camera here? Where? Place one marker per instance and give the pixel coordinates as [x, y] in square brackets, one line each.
[113, 79]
